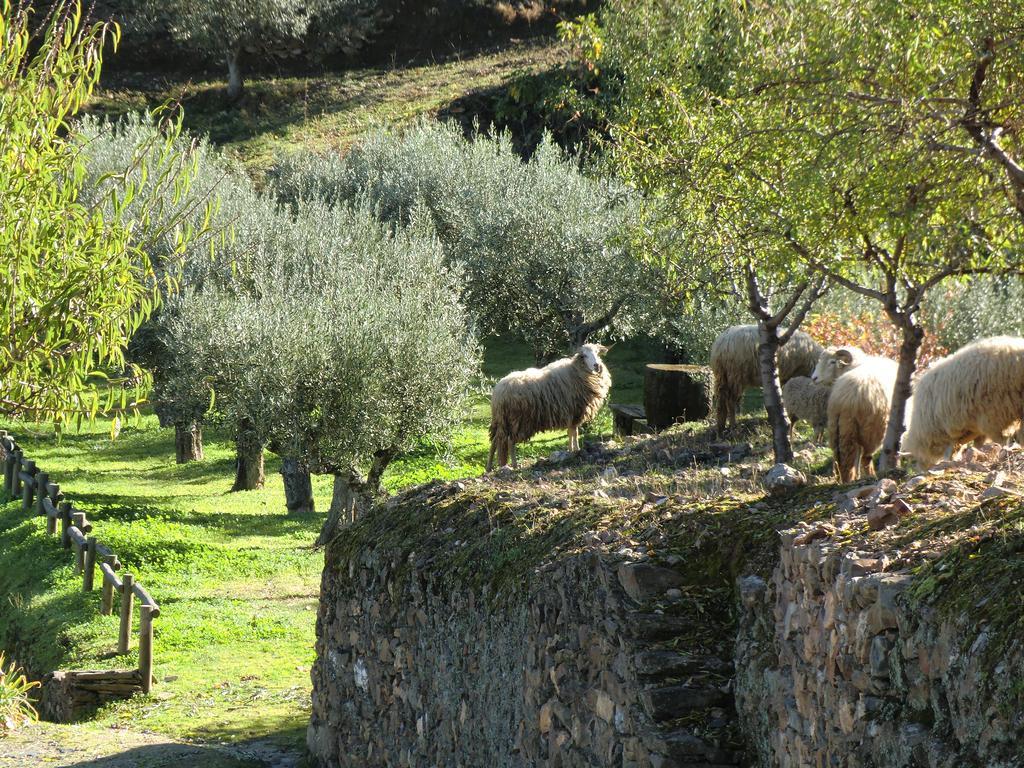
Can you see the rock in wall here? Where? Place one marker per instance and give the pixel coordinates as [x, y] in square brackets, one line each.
[837, 667]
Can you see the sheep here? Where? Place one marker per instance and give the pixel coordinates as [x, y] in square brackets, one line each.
[975, 393]
[735, 366]
[806, 401]
[562, 395]
[834, 362]
[858, 412]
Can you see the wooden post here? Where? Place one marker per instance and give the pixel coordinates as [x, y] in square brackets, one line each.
[146, 646]
[90, 565]
[51, 522]
[78, 520]
[107, 598]
[80, 545]
[16, 477]
[42, 489]
[28, 487]
[65, 523]
[127, 602]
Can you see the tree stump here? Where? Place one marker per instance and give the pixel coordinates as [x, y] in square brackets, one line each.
[674, 393]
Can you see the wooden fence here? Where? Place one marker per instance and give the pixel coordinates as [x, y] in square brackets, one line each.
[23, 478]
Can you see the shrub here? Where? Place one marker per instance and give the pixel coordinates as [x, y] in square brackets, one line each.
[963, 311]
[15, 705]
[545, 248]
[869, 330]
[349, 346]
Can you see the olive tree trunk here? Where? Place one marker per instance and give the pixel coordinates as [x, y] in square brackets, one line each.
[188, 441]
[248, 462]
[767, 362]
[353, 494]
[298, 486]
[235, 81]
[913, 336]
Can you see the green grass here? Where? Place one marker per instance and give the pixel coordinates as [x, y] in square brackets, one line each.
[323, 112]
[236, 578]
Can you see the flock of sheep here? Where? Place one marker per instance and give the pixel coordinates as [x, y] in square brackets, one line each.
[976, 394]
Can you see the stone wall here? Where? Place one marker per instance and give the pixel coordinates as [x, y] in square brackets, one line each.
[572, 668]
[837, 667]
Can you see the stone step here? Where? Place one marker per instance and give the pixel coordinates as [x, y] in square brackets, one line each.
[657, 626]
[672, 701]
[660, 663]
[689, 749]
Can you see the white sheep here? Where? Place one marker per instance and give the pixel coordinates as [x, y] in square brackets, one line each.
[834, 362]
[975, 393]
[806, 401]
[735, 366]
[858, 412]
[562, 395]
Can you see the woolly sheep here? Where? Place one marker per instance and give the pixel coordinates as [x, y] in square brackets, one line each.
[975, 393]
[858, 411]
[562, 395]
[735, 366]
[806, 401]
[834, 362]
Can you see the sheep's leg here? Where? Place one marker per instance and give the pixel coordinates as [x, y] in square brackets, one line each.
[512, 451]
[574, 438]
[490, 454]
[867, 465]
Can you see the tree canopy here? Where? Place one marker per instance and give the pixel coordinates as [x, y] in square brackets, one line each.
[78, 281]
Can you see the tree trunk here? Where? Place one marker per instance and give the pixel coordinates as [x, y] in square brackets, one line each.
[767, 360]
[164, 415]
[349, 499]
[913, 336]
[234, 76]
[188, 441]
[674, 393]
[353, 494]
[298, 487]
[248, 462]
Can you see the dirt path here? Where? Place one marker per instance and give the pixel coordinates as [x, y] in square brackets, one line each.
[82, 746]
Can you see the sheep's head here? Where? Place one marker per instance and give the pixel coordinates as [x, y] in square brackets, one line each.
[833, 363]
[589, 356]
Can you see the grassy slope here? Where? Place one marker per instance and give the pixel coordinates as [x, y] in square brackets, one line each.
[325, 112]
[236, 579]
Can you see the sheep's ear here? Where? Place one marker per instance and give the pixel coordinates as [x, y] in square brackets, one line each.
[844, 356]
[602, 349]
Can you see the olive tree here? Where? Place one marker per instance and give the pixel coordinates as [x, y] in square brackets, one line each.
[545, 248]
[78, 283]
[111, 152]
[353, 346]
[231, 28]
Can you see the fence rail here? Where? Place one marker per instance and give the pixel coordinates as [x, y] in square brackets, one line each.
[22, 478]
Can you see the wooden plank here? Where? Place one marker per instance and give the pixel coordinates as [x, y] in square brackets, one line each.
[90, 565]
[127, 602]
[76, 536]
[104, 553]
[107, 675]
[146, 615]
[146, 598]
